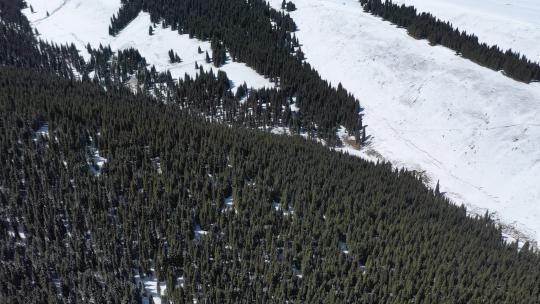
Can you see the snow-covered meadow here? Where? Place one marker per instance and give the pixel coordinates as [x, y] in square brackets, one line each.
[429, 110]
[82, 22]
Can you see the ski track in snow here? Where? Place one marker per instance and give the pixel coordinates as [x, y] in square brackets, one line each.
[82, 22]
[429, 110]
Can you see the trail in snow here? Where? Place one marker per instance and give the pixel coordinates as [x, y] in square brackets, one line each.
[53, 12]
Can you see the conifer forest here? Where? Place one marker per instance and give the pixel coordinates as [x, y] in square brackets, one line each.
[114, 174]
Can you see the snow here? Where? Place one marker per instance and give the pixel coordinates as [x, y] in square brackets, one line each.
[82, 22]
[343, 247]
[180, 281]
[297, 271]
[281, 131]
[150, 287]
[96, 161]
[156, 162]
[42, 132]
[11, 233]
[22, 235]
[510, 24]
[429, 110]
[229, 203]
[199, 233]
[278, 208]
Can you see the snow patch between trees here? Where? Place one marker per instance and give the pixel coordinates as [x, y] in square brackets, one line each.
[81, 22]
[95, 161]
[42, 132]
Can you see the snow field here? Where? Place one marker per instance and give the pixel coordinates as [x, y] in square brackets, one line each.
[475, 130]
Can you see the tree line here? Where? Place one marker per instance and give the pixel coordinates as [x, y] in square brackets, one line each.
[127, 13]
[438, 32]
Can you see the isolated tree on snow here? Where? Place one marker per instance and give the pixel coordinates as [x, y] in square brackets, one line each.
[150, 30]
[289, 6]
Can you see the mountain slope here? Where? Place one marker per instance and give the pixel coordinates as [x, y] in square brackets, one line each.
[217, 213]
[473, 129]
[111, 197]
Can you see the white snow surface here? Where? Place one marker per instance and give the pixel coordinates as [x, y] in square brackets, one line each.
[96, 161]
[429, 110]
[199, 233]
[82, 22]
[150, 286]
[229, 202]
[510, 24]
[343, 247]
[42, 132]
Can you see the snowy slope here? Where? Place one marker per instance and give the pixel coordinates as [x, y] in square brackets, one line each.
[82, 22]
[429, 110]
[510, 24]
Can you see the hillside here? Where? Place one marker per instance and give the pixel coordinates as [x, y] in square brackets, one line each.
[478, 128]
[470, 128]
[124, 183]
[105, 196]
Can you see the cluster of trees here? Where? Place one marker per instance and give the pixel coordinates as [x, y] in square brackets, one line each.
[289, 6]
[128, 11]
[219, 53]
[173, 57]
[427, 26]
[263, 38]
